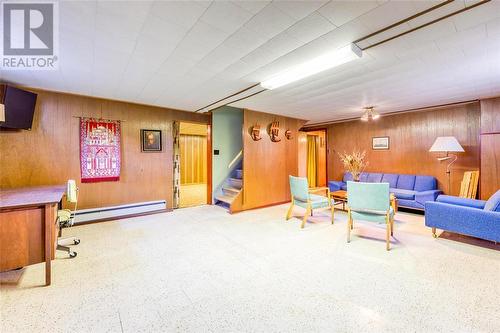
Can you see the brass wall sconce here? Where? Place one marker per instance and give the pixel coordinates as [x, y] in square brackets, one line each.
[274, 130]
[255, 132]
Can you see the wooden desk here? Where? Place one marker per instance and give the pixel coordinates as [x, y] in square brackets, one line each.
[28, 226]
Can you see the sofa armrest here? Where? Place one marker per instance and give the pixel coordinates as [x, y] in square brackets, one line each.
[335, 185]
[431, 195]
[463, 220]
[449, 199]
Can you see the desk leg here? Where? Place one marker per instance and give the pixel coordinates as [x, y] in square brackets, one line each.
[49, 219]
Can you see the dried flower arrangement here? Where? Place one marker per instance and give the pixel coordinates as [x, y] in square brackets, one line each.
[355, 163]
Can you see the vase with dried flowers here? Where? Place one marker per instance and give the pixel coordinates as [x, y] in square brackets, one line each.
[355, 163]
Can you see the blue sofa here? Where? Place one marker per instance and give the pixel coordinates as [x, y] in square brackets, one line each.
[470, 217]
[412, 191]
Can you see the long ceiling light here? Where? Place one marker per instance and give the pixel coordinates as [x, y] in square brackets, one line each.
[314, 66]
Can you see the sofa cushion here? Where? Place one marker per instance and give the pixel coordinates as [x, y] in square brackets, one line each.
[410, 204]
[347, 177]
[424, 183]
[344, 187]
[374, 178]
[390, 178]
[466, 202]
[406, 182]
[493, 203]
[403, 194]
[363, 177]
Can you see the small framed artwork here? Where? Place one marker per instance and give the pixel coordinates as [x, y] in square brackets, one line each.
[151, 140]
[380, 143]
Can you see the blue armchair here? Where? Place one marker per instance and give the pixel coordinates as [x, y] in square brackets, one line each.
[470, 217]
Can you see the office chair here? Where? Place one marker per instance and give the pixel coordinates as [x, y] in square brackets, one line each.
[66, 218]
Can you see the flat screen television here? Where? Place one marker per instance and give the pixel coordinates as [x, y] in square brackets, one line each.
[19, 108]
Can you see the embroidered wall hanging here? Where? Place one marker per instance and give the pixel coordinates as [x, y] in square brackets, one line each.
[100, 154]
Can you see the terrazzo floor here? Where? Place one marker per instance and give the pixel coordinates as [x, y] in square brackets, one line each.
[202, 270]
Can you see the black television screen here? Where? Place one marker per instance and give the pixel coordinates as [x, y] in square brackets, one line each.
[19, 108]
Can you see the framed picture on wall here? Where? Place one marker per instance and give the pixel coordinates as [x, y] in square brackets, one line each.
[380, 143]
[150, 140]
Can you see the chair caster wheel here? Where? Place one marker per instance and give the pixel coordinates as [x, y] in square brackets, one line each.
[76, 241]
[72, 254]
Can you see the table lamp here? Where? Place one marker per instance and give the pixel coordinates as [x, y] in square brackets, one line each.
[447, 144]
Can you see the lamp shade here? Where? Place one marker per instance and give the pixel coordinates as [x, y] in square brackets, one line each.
[446, 144]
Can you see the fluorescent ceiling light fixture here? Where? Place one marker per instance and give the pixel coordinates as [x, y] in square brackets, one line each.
[314, 66]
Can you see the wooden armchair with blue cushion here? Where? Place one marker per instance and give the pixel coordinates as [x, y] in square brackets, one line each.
[369, 202]
[302, 196]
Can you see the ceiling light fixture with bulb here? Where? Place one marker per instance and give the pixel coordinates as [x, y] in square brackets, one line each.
[370, 114]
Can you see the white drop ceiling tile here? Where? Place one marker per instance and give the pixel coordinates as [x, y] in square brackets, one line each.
[220, 58]
[77, 16]
[298, 9]
[493, 28]
[108, 40]
[341, 12]
[385, 35]
[310, 28]
[176, 66]
[251, 6]
[110, 62]
[225, 16]
[257, 58]
[478, 15]
[270, 21]
[435, 31]
[115, 24]
[164, 30]
[466, 38]
[205, 37]
[416, 51]
[154, 48]
[387, 14]
[235, 71]
[183, 13]
[434, 14]
[245, 40]
[198, 74]
[127, 10]
[153, 90]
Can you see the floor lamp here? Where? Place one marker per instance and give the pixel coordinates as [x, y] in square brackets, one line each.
[447, 144]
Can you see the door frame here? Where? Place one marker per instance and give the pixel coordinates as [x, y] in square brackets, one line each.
[327, 150]
[209, 154]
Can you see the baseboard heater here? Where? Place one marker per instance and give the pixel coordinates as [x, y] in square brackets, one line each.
[115, 212]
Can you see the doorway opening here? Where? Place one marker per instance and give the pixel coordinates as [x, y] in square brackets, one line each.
[193, 163]
[316, 158]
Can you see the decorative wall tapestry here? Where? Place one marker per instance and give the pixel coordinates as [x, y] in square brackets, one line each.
[100, 150]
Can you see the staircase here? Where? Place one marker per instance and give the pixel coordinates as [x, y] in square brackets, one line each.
[230, 190]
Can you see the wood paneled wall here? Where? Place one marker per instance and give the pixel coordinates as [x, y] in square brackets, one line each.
[50, 152]
[490, 147]
[193, 159]
[267, 164]
[411, 135]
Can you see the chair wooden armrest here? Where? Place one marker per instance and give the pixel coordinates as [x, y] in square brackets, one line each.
[319, 189]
